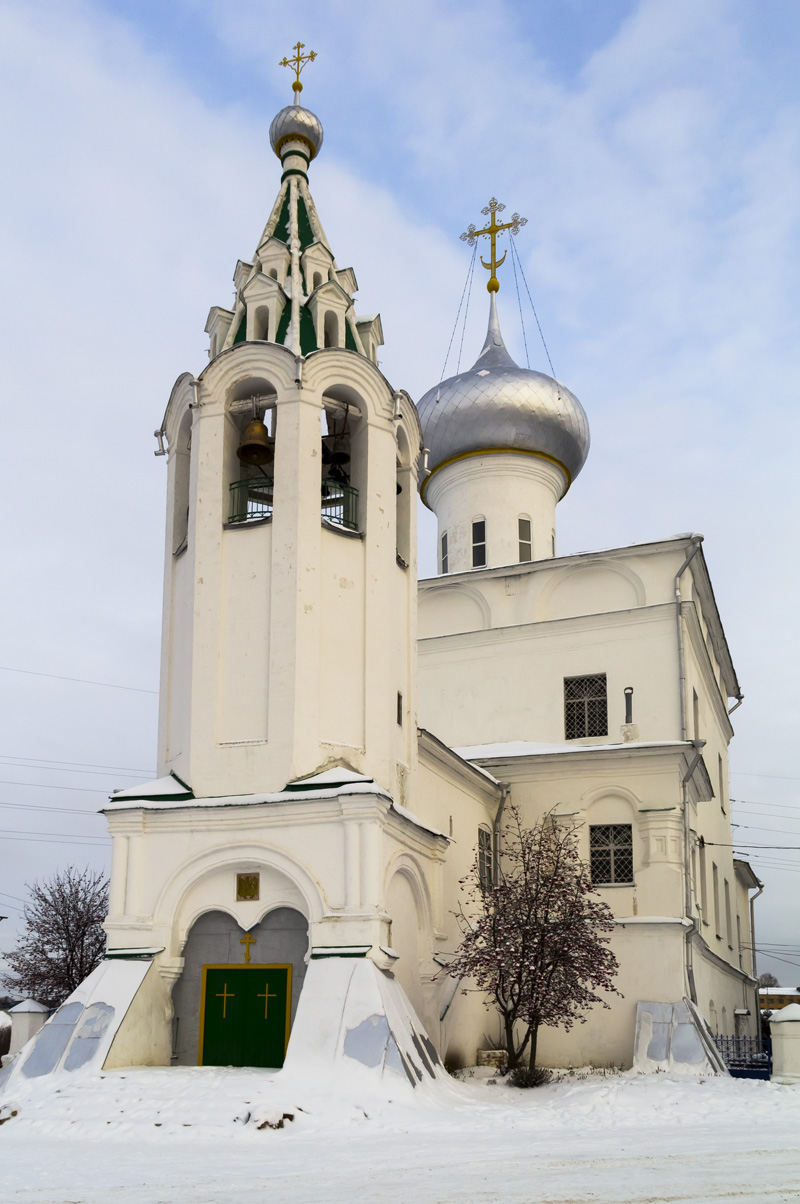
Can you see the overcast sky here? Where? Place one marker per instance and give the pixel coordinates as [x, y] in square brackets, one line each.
[653, 147]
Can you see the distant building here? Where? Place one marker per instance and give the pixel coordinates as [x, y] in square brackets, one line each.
[772, 999]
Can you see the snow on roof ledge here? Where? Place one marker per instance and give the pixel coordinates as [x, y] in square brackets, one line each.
[529, 748]
[159, 788]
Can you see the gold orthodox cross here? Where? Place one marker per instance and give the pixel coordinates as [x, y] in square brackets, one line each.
[491, 232]
[225, 995]
[247, 940]
[297, 63]
[266, 996]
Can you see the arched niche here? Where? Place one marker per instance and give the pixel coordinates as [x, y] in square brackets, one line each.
[452, 609]
[587, 589]
[404, 903]
[215, 939]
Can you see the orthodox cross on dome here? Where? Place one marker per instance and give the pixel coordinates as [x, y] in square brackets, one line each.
[491, 232]
[297, 63]
[247, 940]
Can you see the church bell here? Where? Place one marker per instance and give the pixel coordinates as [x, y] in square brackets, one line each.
[256, 446]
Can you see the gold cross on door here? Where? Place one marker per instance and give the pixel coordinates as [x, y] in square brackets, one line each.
[225, 995]
[266, 996]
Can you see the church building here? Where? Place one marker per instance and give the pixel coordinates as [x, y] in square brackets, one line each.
[338, 740]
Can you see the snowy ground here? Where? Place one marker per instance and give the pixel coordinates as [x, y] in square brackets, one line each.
[191, 1136]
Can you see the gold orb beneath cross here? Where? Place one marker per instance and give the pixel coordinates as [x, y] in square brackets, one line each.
[494, 285]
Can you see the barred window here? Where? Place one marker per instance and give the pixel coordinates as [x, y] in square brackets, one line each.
[585, 706]
[611, 853]
[485, 857]
[479, 543]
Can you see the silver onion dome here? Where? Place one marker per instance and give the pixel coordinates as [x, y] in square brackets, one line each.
[497, 405]
[296, 122]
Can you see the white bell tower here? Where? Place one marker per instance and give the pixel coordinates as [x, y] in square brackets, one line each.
[290, 581]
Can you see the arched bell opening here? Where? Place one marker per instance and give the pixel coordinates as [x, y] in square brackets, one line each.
[343, 460]
[181, 487]
[249, 452]
[403, 495]
[236, 999]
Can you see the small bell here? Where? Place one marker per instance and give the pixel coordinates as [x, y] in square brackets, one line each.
[256, 446]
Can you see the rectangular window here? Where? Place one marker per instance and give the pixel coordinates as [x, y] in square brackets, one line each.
[479, 543]
[696, 714]
[715, 881]
[721, 779]
[525, 546]
[611, 853]
[739, 941]
[485, 858]
[399, 709]
[585, 706]
[444, 552]
[728, 924]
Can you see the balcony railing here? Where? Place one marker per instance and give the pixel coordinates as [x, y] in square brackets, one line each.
[251, 500]
[340, 504]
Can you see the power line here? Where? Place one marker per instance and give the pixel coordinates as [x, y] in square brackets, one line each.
[24, 832]
[110, 685]
[39, 807]
[52, 840]
[782, 777]
[720, 844]
[95, 773]
[85, 764]
[50, 786]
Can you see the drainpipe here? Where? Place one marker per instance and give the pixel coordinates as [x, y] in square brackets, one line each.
[698, 746]
[695, 548]
[754, 970]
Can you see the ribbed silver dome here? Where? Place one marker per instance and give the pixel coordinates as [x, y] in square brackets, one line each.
[496, 404]
[296, 122]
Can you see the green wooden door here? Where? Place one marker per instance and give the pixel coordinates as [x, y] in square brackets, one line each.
[244, 1015]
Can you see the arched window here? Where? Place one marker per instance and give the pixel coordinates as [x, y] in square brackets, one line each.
[524, 533]
[273, 273]
[261, 325]
[317, 279]
[479, 542]
[331, 329]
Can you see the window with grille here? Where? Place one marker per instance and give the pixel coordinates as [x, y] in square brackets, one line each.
[611, 853]
[479, 543]
[525, 545]
[444, 552]
[585, 706]
[485, 857]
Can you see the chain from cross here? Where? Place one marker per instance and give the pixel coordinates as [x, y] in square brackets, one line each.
[491, 232]
[247, 940]
[266, 996]
[225, 995]
[297, 63]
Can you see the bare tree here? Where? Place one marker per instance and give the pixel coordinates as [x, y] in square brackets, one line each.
[62, 941]
[767, 980]
[536, 940]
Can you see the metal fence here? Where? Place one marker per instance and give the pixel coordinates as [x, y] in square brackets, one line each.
[340, 504]
[251, 499]
[746, 1057]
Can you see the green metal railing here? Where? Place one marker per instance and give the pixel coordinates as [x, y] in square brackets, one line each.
[251, 499]
[340, 503]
